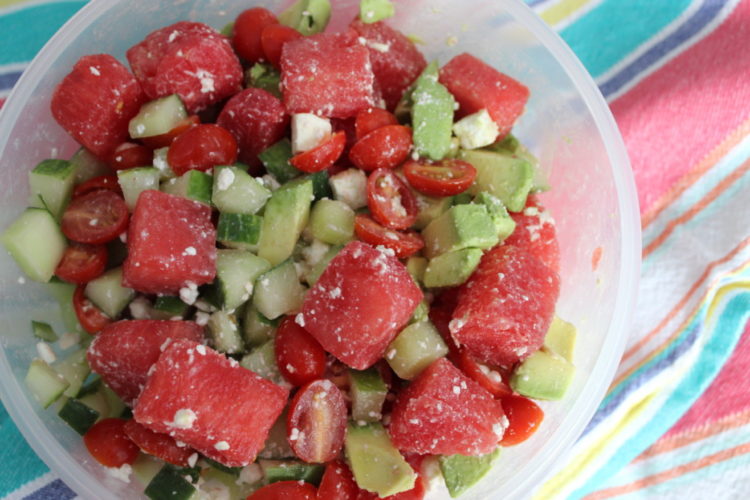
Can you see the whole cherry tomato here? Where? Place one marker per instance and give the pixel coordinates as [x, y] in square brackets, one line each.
[109, 445]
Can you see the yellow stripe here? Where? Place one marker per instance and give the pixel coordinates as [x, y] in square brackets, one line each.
[561, 10]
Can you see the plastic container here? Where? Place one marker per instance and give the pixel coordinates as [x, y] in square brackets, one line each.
[567, 124]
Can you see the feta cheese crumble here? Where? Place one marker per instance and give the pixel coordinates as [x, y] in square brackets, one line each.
[183, 419]
[222, 446]
[309, 131]
[225, 179]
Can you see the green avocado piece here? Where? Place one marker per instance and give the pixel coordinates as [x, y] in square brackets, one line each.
[284, 218]
[462, 472]
[508, 177]
[430, 208]
[432, 115]
[307, 16]
[511, 145]
[372, 11]
[504, 223]
[416, 267]
[368, 392]
[543, 375]
[452, 268]
[377, 465]
[414, 349]
[561, 338]
[462, 226]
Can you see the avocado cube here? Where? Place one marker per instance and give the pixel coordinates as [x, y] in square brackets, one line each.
[543, 375]
[462, 226]
[452, 268]
[416, 267]
[432, 115]
[462, 472]
[430, 208]
[508, 177]
[414, 349]
[368, 392]
[504, 223]
[561, 338]
[51, 185]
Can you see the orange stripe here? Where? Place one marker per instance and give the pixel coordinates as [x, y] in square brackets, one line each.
[695, 174]
[674, 313]
[695, 209]
[671, 473]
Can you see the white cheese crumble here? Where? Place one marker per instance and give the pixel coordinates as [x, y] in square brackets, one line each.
[201, 350]
[94, 71]
[315, 252]
[68, 340]
[225, 179]
[140, 308]
[350, 186]
[201, 318]
[192, 460]
[294, 435]
[21, 280]
[309, 131]
[183, 419]
[250, 474]
[190, 251]
[45, 352]
[300, 320]
[122, 473]
[207, 81]
[189, 293]
[476, 130]
[222, 446]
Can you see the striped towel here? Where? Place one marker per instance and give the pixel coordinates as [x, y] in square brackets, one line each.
[676, 421]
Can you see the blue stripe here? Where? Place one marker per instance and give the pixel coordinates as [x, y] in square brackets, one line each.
[7, 80]
[56, 490]
[703, 16]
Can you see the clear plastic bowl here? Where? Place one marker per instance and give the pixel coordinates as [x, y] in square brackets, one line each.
[567, 124]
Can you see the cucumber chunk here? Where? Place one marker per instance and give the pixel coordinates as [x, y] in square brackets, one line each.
[97, 402]
[414, 349]
[223, 330]
[78, 415]
[63, 293]
[277, 446]
[332, 221]
[43, 331]
[461, 472]
[108, 294]
[236, 191]
[145, 468]
[168, 306]
[307, 16]
[291, 470]
[236, 272]
[169, 483]
[262, 362]
[36, 243]
[321, 185]
[44, 383]
[372, 11]
[74, 369]
[432, 115]
[285, 217]
[51, 185]
[276, 160]
[313, 274]
[88, 166]
[278, 291]
[193, 185]
[264, 76]
[256, 328]
[240, 231]
[134, 181]
[368, 392]
[157, 117]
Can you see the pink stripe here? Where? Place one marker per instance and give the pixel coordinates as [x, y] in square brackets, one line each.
[677, 115]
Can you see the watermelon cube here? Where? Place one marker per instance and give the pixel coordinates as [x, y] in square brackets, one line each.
[444, 412]
[477, 85]
[396, 61]
[257, 119]
[171, 244]
[535, 231]
[95, 102]
[189, 59]
[506, 306]
[359, 304]
[327, 74]
[211, 403]
[124, 351]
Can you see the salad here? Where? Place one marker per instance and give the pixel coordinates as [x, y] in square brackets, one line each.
[294, 263]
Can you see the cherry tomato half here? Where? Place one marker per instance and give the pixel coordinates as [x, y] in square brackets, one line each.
[159, 445]
[490, 378]
[316, 422]
[285, 490]
[95, 217]
[273, 38]
[247, 30]
[109, 182]
[109, 445]
[299, 356]
[390, 200]
[385, 147]
[202, 147]
[322, 156]
[445, 178]
[164, 140]
[371, 119]
[81, 263]
[404, 244]
[130, 155]
[337, 483]
[89, 316]
[524, 416]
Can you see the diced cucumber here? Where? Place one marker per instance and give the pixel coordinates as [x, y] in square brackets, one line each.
[452, 268]
[236, 191]
[307, 16]
[421, 313]
[276, 160]
[236, 272]
[278, 291]
[510, 178]
[312, 276]
[219, 484]
[161, 163]
[239, 230]
[277, 446]
[264, 76]
[169, 483]
[285, 217]
[78, 415]
[416, 267]
[232, 471]
[368, 392]
[36, 243]
[44, 383]
[460, 472]
[262, 361]
[63, 293]
[291, 470]
[51, 185]
[321, 185]
[168, 306]
[332, 221]
[432, 115]
[414, 349]
[223, 330]
[193, 185]
[108, 294]
[74, 369]
[256, 328]
[43, 331]
[115, 404]
[133, 181]
[88, 166]
[372, 11]
[145, 468]
[97, 402]
[157, 117]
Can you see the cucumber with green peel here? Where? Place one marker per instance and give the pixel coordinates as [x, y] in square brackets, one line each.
[372, 11]
[223, 330]
[291, 470]
[168, 307]
[278, 291]
[368, 392]
[63, 293]
[157, 117]
[44, 383]
[236, 191]
[228, 30]
[285, 216]
[421, 313]
[313, 274]
[432, 115]
[74, 368]
[256, 328]
[145, 468]
[262, 361]
[232, 471]
[276, 160]
[414, 349]
[43, 331]
[239, 231]
[116, 406]
[236, 272]
[170, 483]
[508, 177]
[36, 243]
[133, 181]
[452, 268]
[78, 415]
[277, 446]
[307, 16]
[88, 166]
[460, 472]
[107, 293]
[321, 186]
[264, 76]
[193, 185]
[216, 483]
[97, 402]
[51, 185]
[332, 221]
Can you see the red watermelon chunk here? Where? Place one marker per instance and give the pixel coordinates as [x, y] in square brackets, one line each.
[535, 232]
[477, 85]
[506, 306]
[257, 120]
[396, 61]
[95, 102]
[327, 74]
[211, 403]
[123, 352]
[445, 412]
[189, 59]
[171, 244]
[359, 304]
